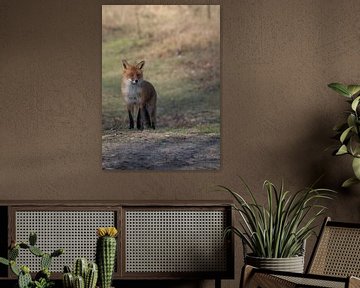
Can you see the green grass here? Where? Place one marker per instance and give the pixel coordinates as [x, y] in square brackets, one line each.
[182, 55]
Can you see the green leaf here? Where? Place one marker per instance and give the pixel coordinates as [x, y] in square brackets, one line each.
[351, 120]
[32, 238]
[345, 134]
[14, 268]
[355, 103]
[353, 89]
[36, 251]
[340, 88]
[23, 245]
[4, 261]
[354, 145]
[13, 253]
[349, 182]
[342, 150]
[45, 261]
[57, 252]
[356, 167]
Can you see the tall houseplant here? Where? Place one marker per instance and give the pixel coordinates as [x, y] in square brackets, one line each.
[348, 132]
[279, 229]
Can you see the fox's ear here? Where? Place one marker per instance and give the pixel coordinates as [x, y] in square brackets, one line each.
[140, 65]
[125, 64]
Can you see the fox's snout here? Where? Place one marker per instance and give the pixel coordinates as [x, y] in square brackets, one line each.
[133, 78]
[134, 81]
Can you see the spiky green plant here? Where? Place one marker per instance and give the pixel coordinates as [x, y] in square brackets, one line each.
[279, 229]
[79, 282]
[84, 273]
[24, 277]
[42, 278]
[80, 267]
[91, 275]
[106, 254]
[68, 280]
[348, 133]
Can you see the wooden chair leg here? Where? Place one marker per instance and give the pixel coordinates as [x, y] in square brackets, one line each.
[217, 283]
[246, 273]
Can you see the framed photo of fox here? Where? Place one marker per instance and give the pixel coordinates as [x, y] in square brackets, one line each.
[161, 91]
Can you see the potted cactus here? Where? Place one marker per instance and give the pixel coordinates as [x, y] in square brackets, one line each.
[106, 254]
[42, 278]
[84, 275]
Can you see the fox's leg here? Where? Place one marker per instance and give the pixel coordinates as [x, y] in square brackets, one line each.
[143, 114]
[139, 124]
[131, 119]
[153, 118]
[147, 118]
[151, 111]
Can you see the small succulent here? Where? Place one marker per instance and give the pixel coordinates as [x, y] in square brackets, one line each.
[42, 283]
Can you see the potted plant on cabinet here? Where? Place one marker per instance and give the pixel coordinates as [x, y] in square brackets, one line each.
[348, 133]
[84, 274]
[276, 233]
[87, 274]
[42, 278]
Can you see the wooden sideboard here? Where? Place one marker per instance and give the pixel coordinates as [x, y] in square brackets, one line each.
[157, 240]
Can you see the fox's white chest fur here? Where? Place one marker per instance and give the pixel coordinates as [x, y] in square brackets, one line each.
[131, 92]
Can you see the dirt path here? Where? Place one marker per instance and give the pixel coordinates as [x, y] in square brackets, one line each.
[149, 150]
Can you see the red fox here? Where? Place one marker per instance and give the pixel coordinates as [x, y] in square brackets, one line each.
[140, 96]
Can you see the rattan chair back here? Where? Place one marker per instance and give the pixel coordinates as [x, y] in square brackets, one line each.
[337, 252]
